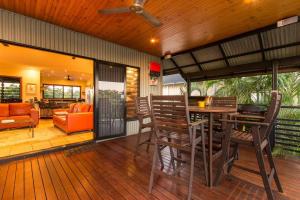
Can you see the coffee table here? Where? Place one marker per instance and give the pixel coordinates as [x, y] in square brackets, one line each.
[20, 123]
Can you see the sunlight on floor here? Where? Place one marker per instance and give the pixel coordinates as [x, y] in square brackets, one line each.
[19, 141]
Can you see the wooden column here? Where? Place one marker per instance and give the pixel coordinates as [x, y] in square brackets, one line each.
[275, 65]
[188, 83]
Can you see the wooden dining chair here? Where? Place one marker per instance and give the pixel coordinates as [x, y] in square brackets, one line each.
[258, 138]
[173, 128]
[193, 101]
[143, 113]
[222, 102]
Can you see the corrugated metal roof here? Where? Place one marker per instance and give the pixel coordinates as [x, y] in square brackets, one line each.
[191, 69]
[283, 53]
[269, 43]
[184, 59]
[281, 36]
[213, 65]
[243, 45]
[207, 54]
[172, 71]
[252, 58]
[167, 64]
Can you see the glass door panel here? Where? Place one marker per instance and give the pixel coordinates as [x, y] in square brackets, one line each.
[109, 101]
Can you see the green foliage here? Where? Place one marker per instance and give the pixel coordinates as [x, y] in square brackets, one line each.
[254, 89]
[257, 90]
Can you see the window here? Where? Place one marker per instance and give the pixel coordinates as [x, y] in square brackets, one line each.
[68, 92]
[58, 92]
[10, 89]
[61, 92]
[132, 90]
[76, 92]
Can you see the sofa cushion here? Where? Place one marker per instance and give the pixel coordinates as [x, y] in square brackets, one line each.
[91, 108]
[81, 107]
[17, 109]
[84, 107]
[71, 107]
[4, 110]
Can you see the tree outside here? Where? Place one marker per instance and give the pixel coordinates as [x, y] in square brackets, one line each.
[257, 90]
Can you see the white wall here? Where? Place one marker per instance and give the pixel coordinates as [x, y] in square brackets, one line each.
[174, 89]
[25, 30]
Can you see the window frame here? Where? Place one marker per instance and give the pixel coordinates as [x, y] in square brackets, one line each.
[63, 92]
[13, 79]
[132, 118]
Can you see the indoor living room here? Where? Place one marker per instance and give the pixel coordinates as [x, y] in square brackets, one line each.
[46, 100]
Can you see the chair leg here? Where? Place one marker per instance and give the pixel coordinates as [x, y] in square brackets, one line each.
[204, 153]
[272, 166]
[149, 140]
[160, 157]
[262, 168]
[225, 147]
[172, 156]
[138, 142]
[191, 172]
[153, 167]
[234, 155]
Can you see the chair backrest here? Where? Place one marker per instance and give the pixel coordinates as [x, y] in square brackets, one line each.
[274, 107]
[272, 111]
[142, 106]
[170, 114]
[224, 102]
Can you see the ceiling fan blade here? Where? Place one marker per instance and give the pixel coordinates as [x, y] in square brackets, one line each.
[153, 20]
[114, 10]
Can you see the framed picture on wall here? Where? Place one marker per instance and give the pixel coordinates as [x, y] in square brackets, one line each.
[31, 88]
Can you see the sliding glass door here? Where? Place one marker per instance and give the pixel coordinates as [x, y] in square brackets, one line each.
[110, 115]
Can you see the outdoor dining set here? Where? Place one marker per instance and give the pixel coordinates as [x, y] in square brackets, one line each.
[212, 130]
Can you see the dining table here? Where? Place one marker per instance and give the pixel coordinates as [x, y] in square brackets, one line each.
[210, 111]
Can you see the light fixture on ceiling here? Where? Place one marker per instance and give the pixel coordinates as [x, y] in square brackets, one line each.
[167, 55]
[153, 40]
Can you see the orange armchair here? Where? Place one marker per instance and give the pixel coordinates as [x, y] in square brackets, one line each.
[75, 121]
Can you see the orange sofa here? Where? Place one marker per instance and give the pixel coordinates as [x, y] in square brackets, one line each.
[79, 117]
[17, 111]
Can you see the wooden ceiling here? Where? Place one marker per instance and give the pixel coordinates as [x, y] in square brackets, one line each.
[186, 23]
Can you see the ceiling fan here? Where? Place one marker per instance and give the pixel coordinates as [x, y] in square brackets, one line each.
[68, 78]
[138, 8]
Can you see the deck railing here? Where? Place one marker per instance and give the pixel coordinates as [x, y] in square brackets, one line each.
[287, 129]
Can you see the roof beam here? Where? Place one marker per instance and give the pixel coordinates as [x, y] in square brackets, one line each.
[177, 67]
[243, 54]
[196, 62]
[261, 46]
[266, 28]
[224, 55]
[245, 69]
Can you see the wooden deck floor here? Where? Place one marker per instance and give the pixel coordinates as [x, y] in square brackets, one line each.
[108, 171]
